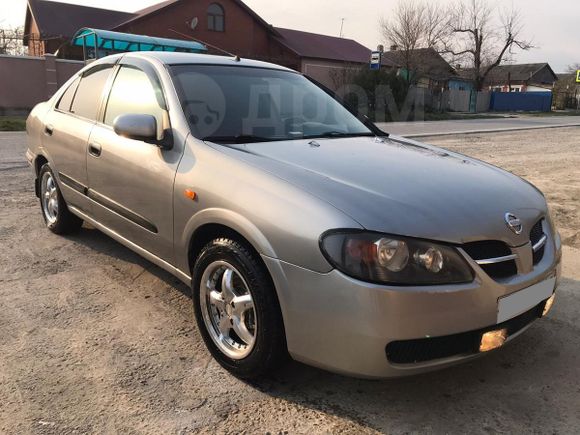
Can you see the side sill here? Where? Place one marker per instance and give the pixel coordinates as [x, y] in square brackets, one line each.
[186, 279]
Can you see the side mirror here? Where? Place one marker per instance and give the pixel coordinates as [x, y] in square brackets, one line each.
[133, 126]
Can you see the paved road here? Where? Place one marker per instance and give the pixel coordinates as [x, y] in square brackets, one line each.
[437, 128]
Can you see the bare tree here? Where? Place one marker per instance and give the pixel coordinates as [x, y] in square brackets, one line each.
[573, 68]
[405, 29]
[413, 25]
[11, 41]
[482, 40]
[435, 26]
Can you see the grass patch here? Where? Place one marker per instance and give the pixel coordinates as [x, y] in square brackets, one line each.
[12, 123]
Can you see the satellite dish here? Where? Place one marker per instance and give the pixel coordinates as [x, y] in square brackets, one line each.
[194, 23]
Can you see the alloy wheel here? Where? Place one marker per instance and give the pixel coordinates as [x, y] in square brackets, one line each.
[49, 196]
[228, 309]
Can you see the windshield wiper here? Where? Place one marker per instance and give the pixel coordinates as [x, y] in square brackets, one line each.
[241, 138]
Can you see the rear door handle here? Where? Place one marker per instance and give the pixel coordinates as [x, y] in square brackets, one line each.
[48, 129]
[95, 149]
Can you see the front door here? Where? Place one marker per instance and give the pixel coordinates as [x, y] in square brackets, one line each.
[131, 181]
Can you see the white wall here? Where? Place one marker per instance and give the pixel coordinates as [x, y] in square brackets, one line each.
[537, 89]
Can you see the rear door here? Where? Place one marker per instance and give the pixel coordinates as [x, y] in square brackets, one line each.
[131, 181]
[67, 131]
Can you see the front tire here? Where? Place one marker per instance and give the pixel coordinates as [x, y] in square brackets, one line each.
[55, 212]
[237, 310]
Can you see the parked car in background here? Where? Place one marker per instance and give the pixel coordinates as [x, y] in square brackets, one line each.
[301, 228]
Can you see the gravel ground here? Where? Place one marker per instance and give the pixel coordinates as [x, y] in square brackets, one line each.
[95, 339]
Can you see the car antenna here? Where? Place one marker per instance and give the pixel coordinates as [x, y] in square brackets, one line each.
[235, 56]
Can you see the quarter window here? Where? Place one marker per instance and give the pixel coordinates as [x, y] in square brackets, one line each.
[89, 93]
[67, 98]
[133, 93]
[215, 17]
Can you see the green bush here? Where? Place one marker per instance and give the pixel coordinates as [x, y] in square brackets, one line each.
[12, 124]
[373, 83]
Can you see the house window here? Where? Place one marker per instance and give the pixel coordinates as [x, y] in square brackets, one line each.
[215, 18]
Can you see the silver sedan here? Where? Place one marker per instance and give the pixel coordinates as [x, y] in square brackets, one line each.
[303, 229]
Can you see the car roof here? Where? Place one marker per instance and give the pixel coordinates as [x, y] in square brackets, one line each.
[172, 58]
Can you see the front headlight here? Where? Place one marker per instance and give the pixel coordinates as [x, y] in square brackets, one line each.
[394, 260]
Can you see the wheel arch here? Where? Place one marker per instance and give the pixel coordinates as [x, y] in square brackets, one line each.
[39, 162]
[210, 231]
[210, 222]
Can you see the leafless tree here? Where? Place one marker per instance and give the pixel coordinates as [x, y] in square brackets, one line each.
[11, 41]
[573, 68]
[415, 24]
[435, 26]
[481, 39]
[405, 29]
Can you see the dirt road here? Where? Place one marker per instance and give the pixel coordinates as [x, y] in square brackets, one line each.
[94, 339]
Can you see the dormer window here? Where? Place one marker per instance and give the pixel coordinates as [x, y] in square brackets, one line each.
[215, 18]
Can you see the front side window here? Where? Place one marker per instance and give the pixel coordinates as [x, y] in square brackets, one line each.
[67, 98]
[226, 104]
[88, 96]
[133, 93]
[215, 17]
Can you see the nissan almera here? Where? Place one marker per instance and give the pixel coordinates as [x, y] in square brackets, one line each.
[302, 229]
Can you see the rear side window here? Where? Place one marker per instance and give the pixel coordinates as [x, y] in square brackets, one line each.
[89, 92]
[67, 97]
[133, 93]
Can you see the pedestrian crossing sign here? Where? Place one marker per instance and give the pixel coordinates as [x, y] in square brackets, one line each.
[578, 76]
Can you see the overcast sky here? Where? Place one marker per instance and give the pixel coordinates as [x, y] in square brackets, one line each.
[552, 25]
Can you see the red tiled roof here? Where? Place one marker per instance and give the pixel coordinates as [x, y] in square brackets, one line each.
[314, 45]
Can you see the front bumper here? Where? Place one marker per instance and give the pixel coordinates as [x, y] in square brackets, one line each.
[344, 325]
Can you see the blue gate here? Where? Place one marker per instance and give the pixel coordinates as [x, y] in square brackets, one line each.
[521, 102]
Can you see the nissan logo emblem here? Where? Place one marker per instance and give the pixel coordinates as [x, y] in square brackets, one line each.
[514, 223]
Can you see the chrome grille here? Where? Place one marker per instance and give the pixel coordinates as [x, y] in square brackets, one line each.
[494, 257]
[498, 260]
[538, 239]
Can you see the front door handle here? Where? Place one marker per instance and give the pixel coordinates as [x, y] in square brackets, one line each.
[48, 130]
[95, 149]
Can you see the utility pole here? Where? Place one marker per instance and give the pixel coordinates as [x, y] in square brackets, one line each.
[341, 27]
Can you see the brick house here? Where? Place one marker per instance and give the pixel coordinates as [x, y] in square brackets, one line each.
[229, 25]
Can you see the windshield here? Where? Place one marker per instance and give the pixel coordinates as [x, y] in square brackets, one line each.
[228, 104]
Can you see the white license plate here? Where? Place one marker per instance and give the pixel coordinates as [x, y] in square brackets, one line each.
[521, 301]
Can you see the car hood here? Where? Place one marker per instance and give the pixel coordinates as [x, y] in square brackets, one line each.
[403, 187]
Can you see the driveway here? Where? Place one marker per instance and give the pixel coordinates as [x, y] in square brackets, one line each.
[95, 339]
[432, 128]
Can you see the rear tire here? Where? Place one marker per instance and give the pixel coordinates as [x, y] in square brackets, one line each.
[237, 310]
[55, 212]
